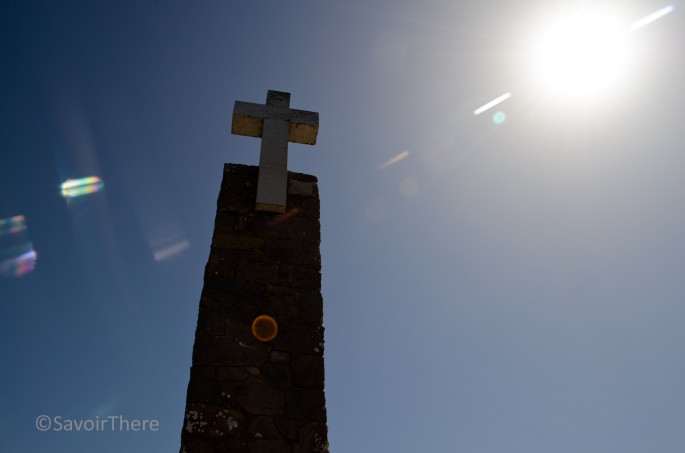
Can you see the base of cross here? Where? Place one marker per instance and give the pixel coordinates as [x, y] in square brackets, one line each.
[257, 377]
[269, 207]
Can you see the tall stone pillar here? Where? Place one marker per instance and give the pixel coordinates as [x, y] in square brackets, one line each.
[257, 377]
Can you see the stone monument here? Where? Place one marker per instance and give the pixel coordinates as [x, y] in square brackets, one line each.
[257, 376]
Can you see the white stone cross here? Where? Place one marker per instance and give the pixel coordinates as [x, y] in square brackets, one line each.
[277, 124]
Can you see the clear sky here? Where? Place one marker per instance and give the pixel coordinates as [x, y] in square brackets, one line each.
[513, 287]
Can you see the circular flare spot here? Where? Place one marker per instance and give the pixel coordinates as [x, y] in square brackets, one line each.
[409, 186]
[499, 118]
[264, 328]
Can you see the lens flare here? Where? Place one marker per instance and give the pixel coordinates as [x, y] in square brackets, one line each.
[17, 256]
[652, 17]
[167, 242]
[491, 104]
[499, 118]
[282, 218]
[264, 328]
[170, 251]
[393, 160]
[73, 188]
[18, 262]
[409, 186]
[15, 224]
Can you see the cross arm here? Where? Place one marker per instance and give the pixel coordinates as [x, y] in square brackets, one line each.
[304, 127]
[248, 119]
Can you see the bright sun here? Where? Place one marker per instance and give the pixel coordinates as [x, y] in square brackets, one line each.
[581, 54]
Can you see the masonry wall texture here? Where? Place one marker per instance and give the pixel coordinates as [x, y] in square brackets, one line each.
[247, 395]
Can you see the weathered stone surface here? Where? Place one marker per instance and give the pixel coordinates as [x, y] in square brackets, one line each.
[226, 393]
[280, 357]
[303, 228]
[197, 444]
[306, 405]
[309, 307]
[227, 239]
[220, 289]
[268, 446]
[202, 386]
[313, 439]
[279, 375]
[300, 339]
[229, 446]
[253, 272]
[220, 266]
[266, 227]
[210, 320]
[306, 188]
[259, 398]
[263, 428]
[247, 395]
[299, 277]
[221, 350]
[233, 374]
[209, 420]
[307, 371]
[278, 254]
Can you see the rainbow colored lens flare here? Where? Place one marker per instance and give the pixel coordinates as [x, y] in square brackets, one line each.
[12, 225]
[73, 188]
[18, 262]
[17, 256]
[264, 328]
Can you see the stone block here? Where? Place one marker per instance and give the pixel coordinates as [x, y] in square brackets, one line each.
[268, 446]
[308, 371]
[202, 386]
[280, 357]
[231, 373]
[229, 446]
[223, 290]
[313, 439]
[227, 239]
[210, 320]
[221, 350]
[199, 445]
[309, 307]
[306, 405]
[220, 266]
[262, 427]
[260, 398]
[279, 375]
[209, 420]
[288, 428]
[300, 339]
[253, 272]
[297, 187]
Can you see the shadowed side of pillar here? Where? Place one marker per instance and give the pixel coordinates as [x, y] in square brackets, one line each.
[257, 377]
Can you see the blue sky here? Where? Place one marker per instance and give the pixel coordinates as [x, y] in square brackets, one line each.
[504, 288]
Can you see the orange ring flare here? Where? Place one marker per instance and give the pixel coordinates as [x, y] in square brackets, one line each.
[264, 328]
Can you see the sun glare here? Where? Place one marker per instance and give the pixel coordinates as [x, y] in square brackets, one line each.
[580, 54]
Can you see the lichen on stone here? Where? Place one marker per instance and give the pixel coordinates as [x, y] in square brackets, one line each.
[232, 423]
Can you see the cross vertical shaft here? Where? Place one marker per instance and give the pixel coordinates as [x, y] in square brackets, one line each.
[273, 166]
